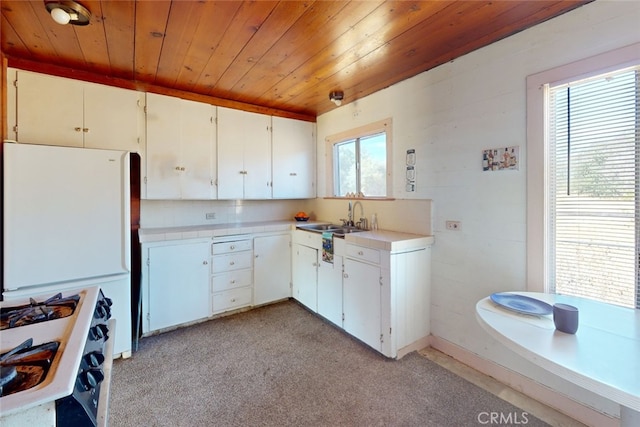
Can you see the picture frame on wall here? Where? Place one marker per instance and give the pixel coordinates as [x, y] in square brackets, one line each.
[504, 158]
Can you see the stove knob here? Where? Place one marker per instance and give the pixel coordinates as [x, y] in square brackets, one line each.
[99, 332]
[103, 309]
[91, 378]
[94, 359]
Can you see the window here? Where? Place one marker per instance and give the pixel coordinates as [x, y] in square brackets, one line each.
[583, 138]
[360, 161]
[593, 200]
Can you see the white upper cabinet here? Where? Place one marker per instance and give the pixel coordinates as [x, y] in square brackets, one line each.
[114, 118]
[244, 155]
[181, 141]
[293, 159]
[58, 111]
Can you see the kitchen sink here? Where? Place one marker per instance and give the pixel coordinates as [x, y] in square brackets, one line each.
[337, 230]
[319, 228]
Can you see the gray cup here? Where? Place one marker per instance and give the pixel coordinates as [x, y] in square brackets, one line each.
[565, 317]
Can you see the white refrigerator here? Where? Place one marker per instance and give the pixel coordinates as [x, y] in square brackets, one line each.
[66, 225]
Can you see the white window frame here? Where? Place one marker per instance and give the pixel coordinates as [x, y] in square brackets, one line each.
[538, 149]
[360, 132]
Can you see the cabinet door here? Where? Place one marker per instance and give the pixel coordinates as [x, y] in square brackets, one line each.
[178, 285]
[293, 149]
[113, 118]
[257, 156]
[362, 303]
[330, 290]
[49, 110]
[244, 155]
[163, 152]
[305, 267]
[197, 133]
[230, 153]
[272, 268]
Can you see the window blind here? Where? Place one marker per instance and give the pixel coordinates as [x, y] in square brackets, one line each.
[594, 141]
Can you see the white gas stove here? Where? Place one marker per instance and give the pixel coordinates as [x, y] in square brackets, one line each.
[56, 357]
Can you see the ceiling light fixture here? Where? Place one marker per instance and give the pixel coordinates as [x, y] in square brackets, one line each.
[336, 97]
[68, 12]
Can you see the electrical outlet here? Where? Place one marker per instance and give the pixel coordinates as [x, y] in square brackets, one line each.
[211, 215]
[453, 225]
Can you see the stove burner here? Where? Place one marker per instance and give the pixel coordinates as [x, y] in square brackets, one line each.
[25, 366]
[55, 307]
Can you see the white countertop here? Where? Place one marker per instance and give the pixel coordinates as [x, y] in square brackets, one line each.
[159, 234]
[388, 240]
[378, 239]
[603, 356]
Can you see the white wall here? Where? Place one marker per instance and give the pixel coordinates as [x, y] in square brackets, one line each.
[449, 115]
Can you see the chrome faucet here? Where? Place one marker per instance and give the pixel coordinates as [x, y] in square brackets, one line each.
[363, 221]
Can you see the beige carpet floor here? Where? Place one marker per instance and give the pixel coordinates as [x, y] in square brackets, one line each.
[281, 365]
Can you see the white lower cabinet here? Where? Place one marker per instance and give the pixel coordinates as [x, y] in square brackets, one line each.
[379, 296]
[305, 276]
[231, 273]
[272, 268]
[362, 294]
[175, 283]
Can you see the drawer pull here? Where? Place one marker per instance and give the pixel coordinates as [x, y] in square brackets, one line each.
[345, 275]
[360, 253]
[232, 282]
[232, 263]
[232, 247]
[233, 300]
[205, 262]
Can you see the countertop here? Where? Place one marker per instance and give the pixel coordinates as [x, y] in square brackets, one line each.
[160, 234]
[388, 240]
[377, 239]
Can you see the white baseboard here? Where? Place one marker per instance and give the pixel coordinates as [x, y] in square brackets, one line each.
[414, 346]
[526, 386]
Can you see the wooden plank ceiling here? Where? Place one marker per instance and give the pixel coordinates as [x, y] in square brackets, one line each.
[278, 57]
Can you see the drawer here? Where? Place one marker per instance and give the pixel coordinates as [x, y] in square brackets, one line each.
[308, 238]
[230, 262]
[234, 298]
[364, 254]
[230, 247]
[231, 280]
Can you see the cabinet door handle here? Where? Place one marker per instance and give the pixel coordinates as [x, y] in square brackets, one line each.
[293, 174]
[360, 253]
[205, 262]
[231, 263]
[232, 282]
[77, 129]
[85, 130]
[345, 275]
